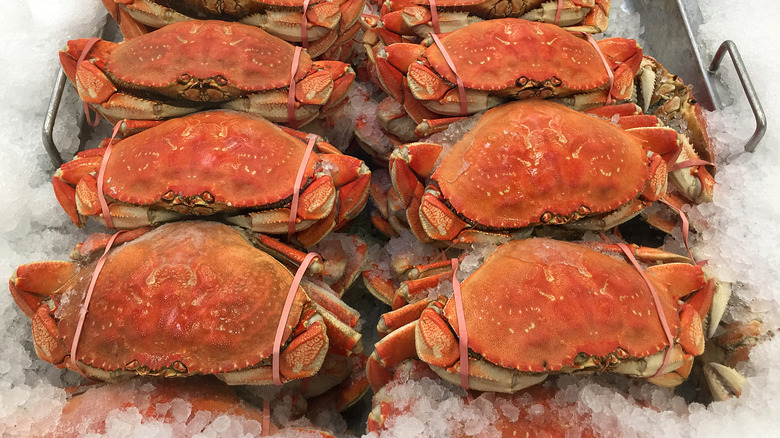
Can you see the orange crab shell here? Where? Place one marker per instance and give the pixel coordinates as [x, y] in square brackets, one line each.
[211, 304]
[570, 63]
[527, 158]
[551, 300]
[247, 58]
[241, 160]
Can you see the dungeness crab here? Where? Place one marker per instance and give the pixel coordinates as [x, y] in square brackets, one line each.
[194, 65]
[413, 17]
[530, 163]
[185, 299]
[217, 162]
[539, 306]
[197, 403]
[326, 21]
[501, 60]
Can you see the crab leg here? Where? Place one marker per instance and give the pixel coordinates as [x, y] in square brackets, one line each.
[127, 24]
[392, 350]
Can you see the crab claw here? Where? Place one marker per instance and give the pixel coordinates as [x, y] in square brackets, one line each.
[724, 382]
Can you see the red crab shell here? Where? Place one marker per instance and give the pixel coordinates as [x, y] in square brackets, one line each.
[545, 290]
[247, 58]
[211, 303]
[242, 161]
[89, 408]
[528, 158]
[188, 66]
[186, 298]
[571, 63]
[539, 306]
[212, 162]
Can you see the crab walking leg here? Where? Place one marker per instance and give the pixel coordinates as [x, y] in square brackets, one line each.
[127, 24]
[392, 350]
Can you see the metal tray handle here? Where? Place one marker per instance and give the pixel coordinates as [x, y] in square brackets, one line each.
[51, 117]
[747, 85]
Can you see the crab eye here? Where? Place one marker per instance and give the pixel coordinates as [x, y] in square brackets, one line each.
[169, 196]
[208, 197]
[184, 79]
[521, 81]
[556, 81]
[221, 81]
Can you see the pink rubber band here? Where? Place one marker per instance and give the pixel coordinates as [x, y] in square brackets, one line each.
[305, 26]
[291, 93]
[688, 163]
[297, 185]
[266, 418]
[83, 56]
[461, 88]
[85, 305]
[685, 227]
[558, 12]
[658, 308]
[463, 336]
[286, 313]
[434, 16]
[606, 66]
[100, 176]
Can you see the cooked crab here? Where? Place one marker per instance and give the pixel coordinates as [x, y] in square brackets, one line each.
[217, 162]
[500, 60]
[194, 65]
[325, 20]
[182, 405]
[184, 299]
[413, 17]
[538, 306]
[529, 163]
[536, 411]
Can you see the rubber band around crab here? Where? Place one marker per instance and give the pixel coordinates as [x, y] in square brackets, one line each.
[285, 313]
[463, 337]
[461, 87]
[297, 185]
[611, 81]
[101, 177]
[85, 305]
[291, 93]
[658, 307]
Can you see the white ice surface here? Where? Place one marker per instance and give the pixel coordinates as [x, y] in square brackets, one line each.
[737, 234]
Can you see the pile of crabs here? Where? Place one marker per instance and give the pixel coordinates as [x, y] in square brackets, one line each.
[505, 141]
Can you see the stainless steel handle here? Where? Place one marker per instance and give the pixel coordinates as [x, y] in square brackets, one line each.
[51, 117]
[54, 104]
[747, 85]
